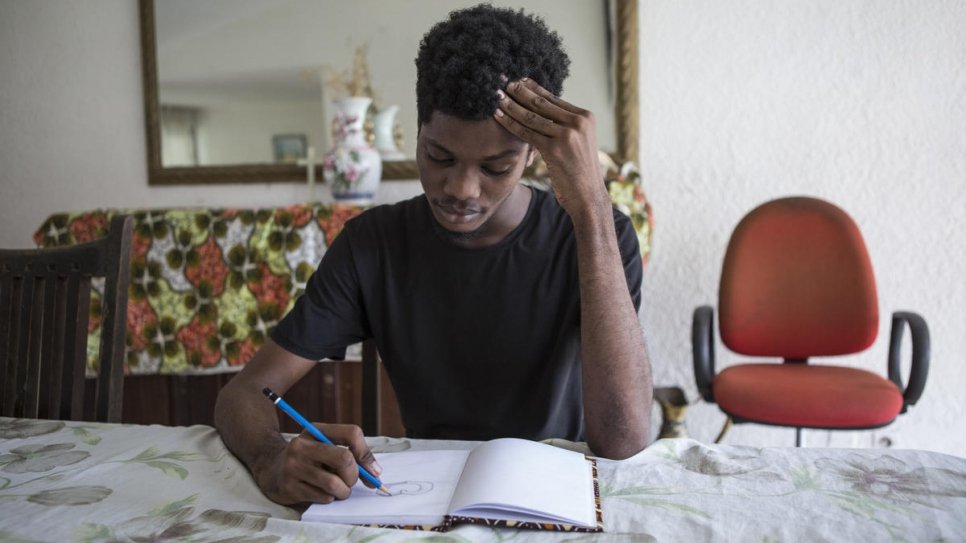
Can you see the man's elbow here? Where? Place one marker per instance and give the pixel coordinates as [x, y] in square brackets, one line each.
[619, 448]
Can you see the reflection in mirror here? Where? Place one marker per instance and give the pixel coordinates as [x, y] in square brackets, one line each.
[238, 90]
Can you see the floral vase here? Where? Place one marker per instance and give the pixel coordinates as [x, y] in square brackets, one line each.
[351, 167]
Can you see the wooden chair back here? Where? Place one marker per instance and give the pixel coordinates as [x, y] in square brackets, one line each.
[45, 301]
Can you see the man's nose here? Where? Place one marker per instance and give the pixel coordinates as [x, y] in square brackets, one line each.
[463, 184]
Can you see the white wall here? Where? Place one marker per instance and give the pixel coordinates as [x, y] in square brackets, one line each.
[230, 138]
[859, 102]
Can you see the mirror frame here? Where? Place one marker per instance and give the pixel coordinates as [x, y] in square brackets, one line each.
[625, 112]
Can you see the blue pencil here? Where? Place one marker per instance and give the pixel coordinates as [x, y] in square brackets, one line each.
[304, 423]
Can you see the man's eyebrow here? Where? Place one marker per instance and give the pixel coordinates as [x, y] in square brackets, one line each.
[497, 156]
[504, 154]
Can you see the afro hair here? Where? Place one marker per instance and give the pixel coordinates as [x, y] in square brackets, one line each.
[463, 60]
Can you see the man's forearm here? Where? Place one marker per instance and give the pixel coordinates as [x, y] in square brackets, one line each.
[246, 420]
[248, 427]
[288, 472]
[616, 373]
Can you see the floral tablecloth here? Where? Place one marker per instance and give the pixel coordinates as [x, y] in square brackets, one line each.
[93, 482]
[208, 285]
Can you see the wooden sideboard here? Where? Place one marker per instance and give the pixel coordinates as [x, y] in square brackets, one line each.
[331, 392]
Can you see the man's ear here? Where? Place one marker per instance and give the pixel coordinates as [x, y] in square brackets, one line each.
[531, 154]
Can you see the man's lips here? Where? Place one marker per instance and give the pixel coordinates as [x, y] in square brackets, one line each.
[456, 214]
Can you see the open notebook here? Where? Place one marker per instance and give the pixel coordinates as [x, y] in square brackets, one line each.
[504, 482]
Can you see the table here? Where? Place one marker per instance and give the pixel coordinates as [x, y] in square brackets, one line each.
[71, 481]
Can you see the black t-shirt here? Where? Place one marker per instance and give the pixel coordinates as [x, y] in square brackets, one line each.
[478, 343]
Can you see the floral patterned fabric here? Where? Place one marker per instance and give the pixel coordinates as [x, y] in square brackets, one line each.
[207, 285]
[627, 193]
[77, 481]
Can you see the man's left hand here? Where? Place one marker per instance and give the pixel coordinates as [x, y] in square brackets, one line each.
[564, 135]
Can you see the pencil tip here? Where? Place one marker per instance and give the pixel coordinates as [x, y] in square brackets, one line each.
[386, 490]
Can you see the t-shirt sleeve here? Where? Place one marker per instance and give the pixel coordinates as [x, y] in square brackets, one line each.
[630, 256]
[329, 316]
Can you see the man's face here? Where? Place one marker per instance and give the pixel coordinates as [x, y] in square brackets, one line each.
[469, 171]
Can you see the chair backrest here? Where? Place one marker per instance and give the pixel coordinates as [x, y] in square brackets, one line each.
[797, 282]
[45, 301]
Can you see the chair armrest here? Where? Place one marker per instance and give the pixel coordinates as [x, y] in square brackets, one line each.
[920, 355]
[702, 349]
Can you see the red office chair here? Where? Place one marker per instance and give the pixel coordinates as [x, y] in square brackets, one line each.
[797, 283]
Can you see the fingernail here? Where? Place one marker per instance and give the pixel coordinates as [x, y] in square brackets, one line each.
[522, 79]
[376, 468]
[498, 112]
[500, 93]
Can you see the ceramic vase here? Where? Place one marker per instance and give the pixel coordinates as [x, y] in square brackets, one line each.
[385, 142]
[351, 167]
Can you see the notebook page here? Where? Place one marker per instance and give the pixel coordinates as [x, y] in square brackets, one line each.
[422, 484]
[526, 476]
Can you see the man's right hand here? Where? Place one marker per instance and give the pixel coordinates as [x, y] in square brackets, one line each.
[303, 469]
[306, 470]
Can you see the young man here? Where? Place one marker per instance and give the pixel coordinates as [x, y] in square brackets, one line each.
[498, 310]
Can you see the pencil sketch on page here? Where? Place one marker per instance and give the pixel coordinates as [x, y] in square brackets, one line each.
[411, 488]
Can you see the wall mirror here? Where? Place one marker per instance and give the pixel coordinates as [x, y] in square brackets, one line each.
[236, 90]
